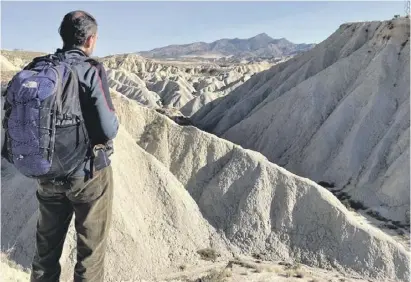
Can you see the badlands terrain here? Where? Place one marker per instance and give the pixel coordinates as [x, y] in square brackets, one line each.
[223, 206]
[174, 84]
[162, 83]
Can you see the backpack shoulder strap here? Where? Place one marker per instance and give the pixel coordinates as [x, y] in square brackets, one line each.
[46, 58]
[92, 61]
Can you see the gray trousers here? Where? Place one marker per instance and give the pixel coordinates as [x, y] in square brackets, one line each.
[91, 203]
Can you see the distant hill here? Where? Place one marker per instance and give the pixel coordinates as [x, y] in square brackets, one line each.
[260, 45]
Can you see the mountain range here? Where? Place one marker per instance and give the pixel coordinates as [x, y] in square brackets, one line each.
[260, 45]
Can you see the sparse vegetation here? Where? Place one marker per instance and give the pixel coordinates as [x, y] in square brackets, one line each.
[227, 272]
[288, 274]
[399, 224]
[293, 266]
[293, 270]
[396, 223]
[342, 196]
[271, 269]
[326, 184]
[259, 270]
[257, 256]
[213, 276]
[376, 215]
[349, 203]
[400, 232]
[299, 274]
[208, 254]
[396, 16]
[286, 264]
[389, 226]
[346, 203]
[242, 263]
[357, 205]
[152, 132]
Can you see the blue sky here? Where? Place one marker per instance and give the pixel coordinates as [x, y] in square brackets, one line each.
[135, 26]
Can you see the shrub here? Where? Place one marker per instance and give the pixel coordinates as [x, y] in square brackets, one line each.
[326, 184]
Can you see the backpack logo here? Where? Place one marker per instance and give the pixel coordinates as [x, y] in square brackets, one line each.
[30, 84]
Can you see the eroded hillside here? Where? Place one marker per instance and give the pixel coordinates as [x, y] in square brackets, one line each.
[337, 114]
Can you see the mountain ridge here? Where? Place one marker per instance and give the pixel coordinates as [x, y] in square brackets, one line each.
[260, 45]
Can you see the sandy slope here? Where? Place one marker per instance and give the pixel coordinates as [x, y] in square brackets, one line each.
[156, 224]
[5, 65]
[250, 270]
[11, 272]
[7, 69]
[20, 59]
[338, 113]
[254, 270]
[260, 206]
[199, 102]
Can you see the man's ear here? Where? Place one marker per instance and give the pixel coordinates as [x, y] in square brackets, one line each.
[89, 41]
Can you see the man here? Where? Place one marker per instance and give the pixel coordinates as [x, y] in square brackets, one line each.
[88, 191]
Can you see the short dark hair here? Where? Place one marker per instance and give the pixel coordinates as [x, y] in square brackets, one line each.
[76, 27]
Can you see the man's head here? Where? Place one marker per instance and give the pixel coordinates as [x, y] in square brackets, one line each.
[79, 30]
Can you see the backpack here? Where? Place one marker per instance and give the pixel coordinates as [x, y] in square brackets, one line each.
[45, 133]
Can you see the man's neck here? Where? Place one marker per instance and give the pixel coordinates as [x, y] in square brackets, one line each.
[73, 48]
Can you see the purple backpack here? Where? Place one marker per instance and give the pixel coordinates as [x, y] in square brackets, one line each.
[45, 133]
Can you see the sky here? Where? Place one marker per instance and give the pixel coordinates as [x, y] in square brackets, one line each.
[126, 27]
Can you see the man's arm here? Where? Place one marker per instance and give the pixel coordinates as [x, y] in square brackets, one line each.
[102, 108]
